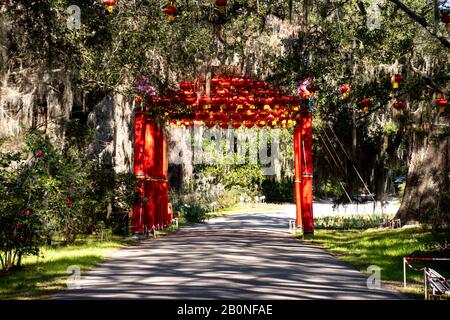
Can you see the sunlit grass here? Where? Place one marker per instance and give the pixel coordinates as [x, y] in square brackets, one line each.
[42, 276]
[384, 248]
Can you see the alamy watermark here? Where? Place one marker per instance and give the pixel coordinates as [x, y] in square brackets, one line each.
[374, 14]
[201, 145]
[74, 280]
[374, 280]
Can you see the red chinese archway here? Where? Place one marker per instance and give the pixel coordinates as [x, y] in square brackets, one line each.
[224, 101]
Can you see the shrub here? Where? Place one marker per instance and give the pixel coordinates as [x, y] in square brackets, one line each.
[349, 222]
[192, 213]
[20, 225]
[19, 237]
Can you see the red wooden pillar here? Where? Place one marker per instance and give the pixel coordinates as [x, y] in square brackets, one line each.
[149, 167]
[165, 183]
[137, 219]
[297, 175]
[307, 173]
[158, 178]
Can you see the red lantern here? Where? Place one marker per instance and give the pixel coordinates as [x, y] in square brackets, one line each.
[396, 79]
[187, 123]
[441, 103]
[249, 124]
[171, 11]
[345, 90]
[221, 4]
[204, 101]
[186, 85]
[109, 4]
[214, 81]
[445, 18]
[261, 123]
[236, 124]
[365, 104]
[399, 105]
[312, 88]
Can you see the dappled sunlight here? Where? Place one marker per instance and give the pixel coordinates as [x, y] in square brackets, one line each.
[240, 257]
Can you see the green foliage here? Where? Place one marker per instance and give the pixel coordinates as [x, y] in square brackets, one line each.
[331, 188]
[348, 222]
[192, 213]
[278, 191]
[47, 191]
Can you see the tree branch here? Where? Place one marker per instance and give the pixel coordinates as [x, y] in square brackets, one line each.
[428, 79]
[421, 20]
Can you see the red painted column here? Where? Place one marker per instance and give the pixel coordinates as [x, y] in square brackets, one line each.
[165, 183]
[149, 167]
[157, 178]
[297, 175]
[307, 174]
[137, 219]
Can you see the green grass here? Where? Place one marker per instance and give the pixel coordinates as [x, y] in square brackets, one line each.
[384, 248]
[42, 276]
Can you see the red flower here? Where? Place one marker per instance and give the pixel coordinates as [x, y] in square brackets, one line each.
[27, 212]
[69, 202]
[39, 153]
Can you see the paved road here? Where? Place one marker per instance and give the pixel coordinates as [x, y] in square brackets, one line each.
[245, 256]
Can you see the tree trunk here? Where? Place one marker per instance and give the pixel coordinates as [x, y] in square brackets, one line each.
[427, 181]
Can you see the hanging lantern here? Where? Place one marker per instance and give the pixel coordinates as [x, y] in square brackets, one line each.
[441, 104]
[445, 18]
[186, 85]
[365, 104]
[345, 90]
[261, 123]
[249, 124]
[312, 88]
[236, 124]
[109, 4]
[223, 124]
[399, 105]
[396, 79]
[221, 4]
[171, 11]
[187, 123]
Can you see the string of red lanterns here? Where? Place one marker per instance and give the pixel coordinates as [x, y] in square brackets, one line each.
[399, 105]
[238, 101]
[232, 101]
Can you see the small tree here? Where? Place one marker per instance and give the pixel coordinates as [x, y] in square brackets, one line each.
[20, 223]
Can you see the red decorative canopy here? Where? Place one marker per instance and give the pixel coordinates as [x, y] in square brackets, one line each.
[225, 101]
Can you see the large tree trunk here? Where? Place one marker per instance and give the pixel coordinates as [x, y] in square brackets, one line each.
[427, 181]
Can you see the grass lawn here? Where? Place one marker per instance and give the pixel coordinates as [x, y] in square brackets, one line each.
[42, 276]
[384, 248]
